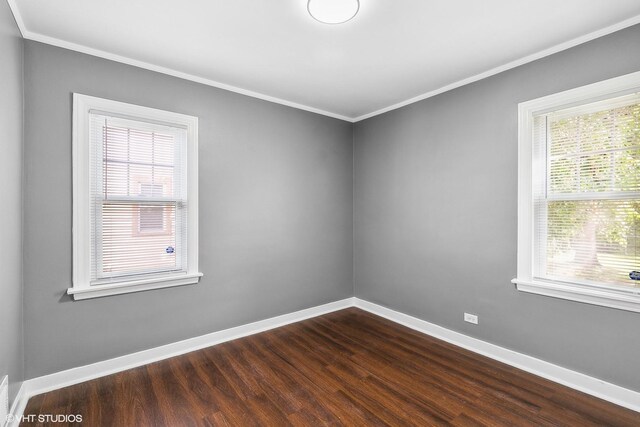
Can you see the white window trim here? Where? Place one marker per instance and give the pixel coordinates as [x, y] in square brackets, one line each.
[82, 289]
[607, 296]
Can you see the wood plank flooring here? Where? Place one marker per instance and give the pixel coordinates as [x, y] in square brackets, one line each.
[345, 368]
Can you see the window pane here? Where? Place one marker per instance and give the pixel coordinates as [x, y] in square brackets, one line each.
[595, 241]
[595, 152]
[138, 238]
[133, 158]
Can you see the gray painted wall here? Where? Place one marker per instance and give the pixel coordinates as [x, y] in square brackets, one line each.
[435, 216]
[11, 354]
[276, 214]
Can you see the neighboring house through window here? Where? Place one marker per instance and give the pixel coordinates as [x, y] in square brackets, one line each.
[153, 218]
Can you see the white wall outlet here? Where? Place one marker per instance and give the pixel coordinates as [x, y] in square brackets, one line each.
[471, 318]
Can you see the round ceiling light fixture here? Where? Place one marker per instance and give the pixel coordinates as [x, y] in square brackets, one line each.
[333, 11]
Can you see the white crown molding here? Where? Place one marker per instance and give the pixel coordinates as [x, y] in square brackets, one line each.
[513, 64]
[29, 35]
[186, 76]
[17, 16]
[610, 392]
[590, 385]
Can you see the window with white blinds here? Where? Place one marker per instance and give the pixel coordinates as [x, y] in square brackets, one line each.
[579, 194]
[138, 195]
[135, 208]
[587, 197]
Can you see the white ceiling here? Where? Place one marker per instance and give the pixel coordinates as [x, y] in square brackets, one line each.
[393, 52]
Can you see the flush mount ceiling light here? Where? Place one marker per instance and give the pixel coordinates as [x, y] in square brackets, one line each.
[333, 11]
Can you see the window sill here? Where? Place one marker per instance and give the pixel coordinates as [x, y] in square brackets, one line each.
[621, 299]
[97, 291]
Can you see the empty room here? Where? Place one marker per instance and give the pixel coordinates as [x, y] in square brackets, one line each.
[320, 213]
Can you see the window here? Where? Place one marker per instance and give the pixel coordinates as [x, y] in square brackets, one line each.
[579, 194]
[135, 198]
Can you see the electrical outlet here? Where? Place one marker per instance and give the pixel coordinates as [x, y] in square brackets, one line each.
[471, 318]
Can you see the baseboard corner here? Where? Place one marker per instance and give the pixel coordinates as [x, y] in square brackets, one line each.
[613, 393]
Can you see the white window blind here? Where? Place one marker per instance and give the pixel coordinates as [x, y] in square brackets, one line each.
[586, 193]
[138, 196]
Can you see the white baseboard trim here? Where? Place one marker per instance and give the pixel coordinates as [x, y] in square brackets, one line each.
[81, 374]
[4, 400]
[18, 406]
[593, 386]
[620, 396]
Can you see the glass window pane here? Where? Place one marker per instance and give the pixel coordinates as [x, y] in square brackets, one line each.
[138, 238]
[595, 241]
[595, 152]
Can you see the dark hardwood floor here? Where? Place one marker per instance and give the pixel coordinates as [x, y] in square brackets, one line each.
[344, 368]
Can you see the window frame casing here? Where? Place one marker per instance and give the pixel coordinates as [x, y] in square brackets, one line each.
[81, 160]
[603, 295]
